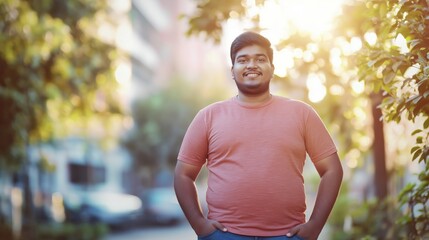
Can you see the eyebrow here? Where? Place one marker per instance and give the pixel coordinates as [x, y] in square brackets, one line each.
[248, 55]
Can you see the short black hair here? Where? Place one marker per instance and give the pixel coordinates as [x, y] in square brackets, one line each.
[248, 39]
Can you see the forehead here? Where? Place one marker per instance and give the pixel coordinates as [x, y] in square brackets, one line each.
[252, 50]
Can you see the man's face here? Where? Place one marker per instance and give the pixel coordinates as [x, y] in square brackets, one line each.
[252, 70]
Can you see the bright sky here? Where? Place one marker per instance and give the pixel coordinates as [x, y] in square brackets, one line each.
[313, 16]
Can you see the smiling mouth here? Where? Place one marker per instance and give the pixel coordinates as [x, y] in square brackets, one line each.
[251, 74]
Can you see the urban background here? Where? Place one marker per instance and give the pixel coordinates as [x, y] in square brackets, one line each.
[95, 97]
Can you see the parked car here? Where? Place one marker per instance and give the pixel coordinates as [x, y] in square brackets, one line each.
[161, 206]
[113, 209]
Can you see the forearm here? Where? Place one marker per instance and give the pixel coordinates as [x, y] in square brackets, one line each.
[187, 196]
[326, 196]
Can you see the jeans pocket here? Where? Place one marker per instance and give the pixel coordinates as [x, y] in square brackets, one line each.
[208, 236]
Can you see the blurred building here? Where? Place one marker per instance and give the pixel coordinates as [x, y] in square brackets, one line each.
[153, 35]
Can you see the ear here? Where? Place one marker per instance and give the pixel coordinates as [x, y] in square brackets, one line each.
[232, 72]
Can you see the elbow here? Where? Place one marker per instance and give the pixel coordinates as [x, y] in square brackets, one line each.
[335, 173]
[338, 172]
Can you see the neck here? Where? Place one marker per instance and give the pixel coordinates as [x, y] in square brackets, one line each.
[254, 98]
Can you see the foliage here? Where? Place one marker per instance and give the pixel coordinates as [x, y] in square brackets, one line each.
[415, 196]
[403, 76]
[210, 16]
[55, 74]
[376, 220]
[53, 68]
[369, 219]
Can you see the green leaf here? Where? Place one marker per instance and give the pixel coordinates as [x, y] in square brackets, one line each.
[426, 123]
[416, 131]
[421, 159]
[414, 149]
[417, 154]
[424, 178]
[409, 188]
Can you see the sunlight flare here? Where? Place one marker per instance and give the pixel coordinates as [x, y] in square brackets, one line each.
[371, 38]
[283, 60]
[310, 16]
[401, 43]
[358, 86]
[316, 87]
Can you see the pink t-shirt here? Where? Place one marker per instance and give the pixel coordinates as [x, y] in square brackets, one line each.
[255, 158]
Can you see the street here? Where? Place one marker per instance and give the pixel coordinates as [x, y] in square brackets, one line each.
[181, 231]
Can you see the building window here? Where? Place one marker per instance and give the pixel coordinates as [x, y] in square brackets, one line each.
[86, 174]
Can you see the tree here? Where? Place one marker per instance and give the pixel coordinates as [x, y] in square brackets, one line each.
[405, 86]
[54, 69]
[356, 25]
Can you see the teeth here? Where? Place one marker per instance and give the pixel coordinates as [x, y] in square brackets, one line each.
[252, 75]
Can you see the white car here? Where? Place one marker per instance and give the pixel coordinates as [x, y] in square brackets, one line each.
[111, 208]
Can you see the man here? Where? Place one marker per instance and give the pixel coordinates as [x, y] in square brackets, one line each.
[255, 145]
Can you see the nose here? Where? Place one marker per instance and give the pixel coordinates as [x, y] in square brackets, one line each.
[251, 64]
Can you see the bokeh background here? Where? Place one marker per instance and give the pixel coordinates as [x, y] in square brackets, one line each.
[95, 97]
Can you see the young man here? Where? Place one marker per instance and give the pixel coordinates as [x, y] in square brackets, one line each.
[255, 145]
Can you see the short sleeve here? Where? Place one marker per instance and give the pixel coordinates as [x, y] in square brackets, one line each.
[194, 146]
[318, 142]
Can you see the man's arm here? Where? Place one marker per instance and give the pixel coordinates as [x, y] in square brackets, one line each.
[331, 174]
[186, 192]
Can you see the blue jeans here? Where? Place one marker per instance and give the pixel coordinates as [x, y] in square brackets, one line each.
[219, 235]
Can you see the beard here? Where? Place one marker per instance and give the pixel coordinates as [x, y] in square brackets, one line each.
[253, 90]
